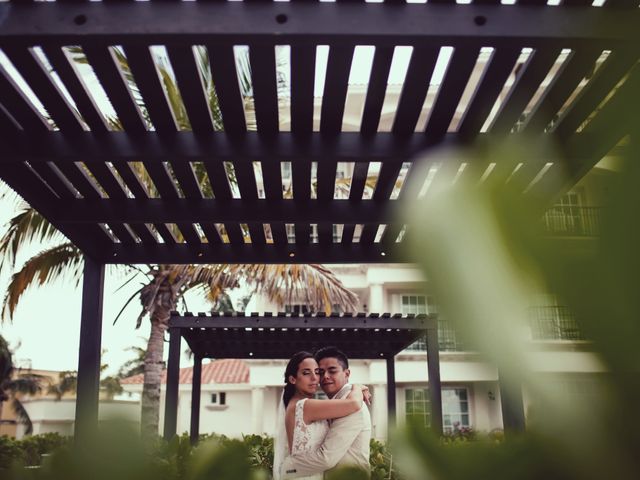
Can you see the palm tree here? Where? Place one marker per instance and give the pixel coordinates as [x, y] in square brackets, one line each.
[13, 385]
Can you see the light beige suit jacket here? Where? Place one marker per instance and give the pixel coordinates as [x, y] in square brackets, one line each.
[347, 443]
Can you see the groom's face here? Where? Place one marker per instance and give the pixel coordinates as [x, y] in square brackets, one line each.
[332, 376]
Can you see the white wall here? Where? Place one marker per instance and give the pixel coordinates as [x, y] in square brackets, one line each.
[48, 415]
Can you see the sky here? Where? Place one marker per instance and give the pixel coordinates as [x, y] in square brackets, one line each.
[45, 330]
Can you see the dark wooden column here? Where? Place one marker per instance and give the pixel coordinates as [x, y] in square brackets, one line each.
[89, 352]
[433, 366]
[173, 376]
[512, 404]
[195, 398]
[391, 391]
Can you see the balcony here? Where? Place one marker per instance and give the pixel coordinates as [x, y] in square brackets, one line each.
[554, 322]
[572, 221]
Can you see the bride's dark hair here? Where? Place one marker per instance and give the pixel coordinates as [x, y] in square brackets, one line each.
[292, 370]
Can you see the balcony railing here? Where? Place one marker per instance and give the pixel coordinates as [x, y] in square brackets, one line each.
[566, 220]
[554, 323]
[447, 339]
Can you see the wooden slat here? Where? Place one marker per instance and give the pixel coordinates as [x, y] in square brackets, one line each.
[256, 231]
[265, 88]
[535, 70]
[106, 180]
[279, 233]
[303, 63]
[210, 231]
[8, 125]
[160, 178]
[166, 234]
[72, 80]
[122, 233]
[78, 179]
[358, 181]
[335, 89]
[458, 72]
[18, 106]
[487, 91]
[301, 178]
[414, 90]
[565, 83]
[191, 87]
[235, 233]
[225, 79]
[390, 235]
[218, 180]
[42, 85]
[131, 181]
[143, 233]
[189, 233]
[146, 76]
[246, 180]
[376, 89]
[103, 63]
[52, 179]
[347, 233]
[614, 68]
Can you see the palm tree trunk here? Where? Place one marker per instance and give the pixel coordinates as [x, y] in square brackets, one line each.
[153, 364]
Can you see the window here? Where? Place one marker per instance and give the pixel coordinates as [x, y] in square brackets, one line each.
[415, 304]
[455, 407]
[219, 398]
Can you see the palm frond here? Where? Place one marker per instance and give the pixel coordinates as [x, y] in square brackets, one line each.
[45, 267]
[26, 227]
[312, 284]
[21, 415]
[26, 384]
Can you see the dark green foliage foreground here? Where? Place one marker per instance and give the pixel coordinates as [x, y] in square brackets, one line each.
[118, 453]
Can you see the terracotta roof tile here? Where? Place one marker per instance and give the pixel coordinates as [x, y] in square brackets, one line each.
[219, 371]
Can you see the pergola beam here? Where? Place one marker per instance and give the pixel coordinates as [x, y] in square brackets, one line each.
[117, 23]
[253, 253]
[219, 211]
[215, 147]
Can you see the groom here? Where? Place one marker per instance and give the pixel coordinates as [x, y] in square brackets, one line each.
[347, 442]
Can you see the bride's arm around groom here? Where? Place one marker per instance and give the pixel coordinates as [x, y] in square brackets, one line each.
[347, 442]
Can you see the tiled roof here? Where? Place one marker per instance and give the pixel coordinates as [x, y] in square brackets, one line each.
[219, 371]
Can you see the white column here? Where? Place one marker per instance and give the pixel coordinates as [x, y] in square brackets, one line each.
[376, 298]
[257, 410]
[379, 412]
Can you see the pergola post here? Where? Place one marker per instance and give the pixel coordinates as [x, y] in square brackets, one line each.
[195, 398]
[433, 367]
[512, 404]
[88, 388]
[391, 391]
[173, 376]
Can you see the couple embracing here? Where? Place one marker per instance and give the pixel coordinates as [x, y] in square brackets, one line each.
[313, 436]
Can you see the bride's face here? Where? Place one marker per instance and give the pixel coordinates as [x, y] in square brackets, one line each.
[306, 380]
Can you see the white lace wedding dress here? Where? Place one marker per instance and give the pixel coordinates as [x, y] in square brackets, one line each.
[307, 437]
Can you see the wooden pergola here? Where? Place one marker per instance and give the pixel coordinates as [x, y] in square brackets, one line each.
[235, 335]
[61, 153]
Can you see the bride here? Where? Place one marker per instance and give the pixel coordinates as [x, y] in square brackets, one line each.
[303, 420]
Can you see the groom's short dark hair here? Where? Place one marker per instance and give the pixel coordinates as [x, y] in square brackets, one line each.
[332, 352]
